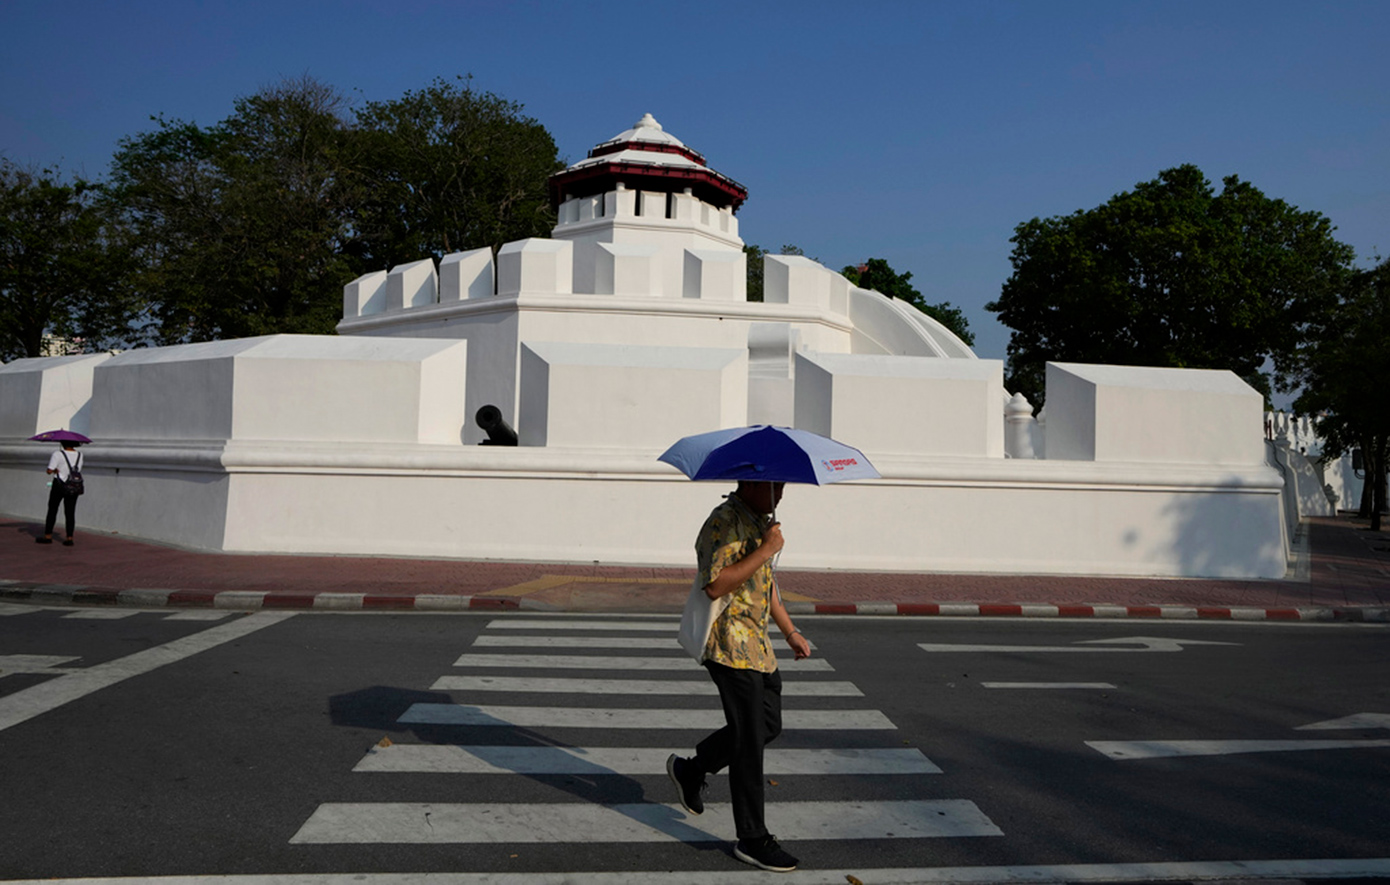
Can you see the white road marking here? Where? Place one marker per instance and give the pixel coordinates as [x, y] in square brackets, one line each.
[584, 717]
[668, 626]
[1356, 720]
[15, 608]
[569, 822]
[683, 687]
[665, 625]
[452, 759]
[1146, 643]
[1046, 685]
[605, 642]
[576, 642]
[1246, 870]
[10, 664]
[198, 615]
[102, 614]
[38, 699]
[1124, 751]
[618, 663]
[1157, 643]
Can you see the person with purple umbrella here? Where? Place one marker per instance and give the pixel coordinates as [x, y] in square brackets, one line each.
[62, 465]
[735, 549]
[735, 553]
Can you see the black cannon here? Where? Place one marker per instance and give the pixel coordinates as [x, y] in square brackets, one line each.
[499, 432]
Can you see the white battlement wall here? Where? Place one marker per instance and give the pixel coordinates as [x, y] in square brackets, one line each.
[242, 474]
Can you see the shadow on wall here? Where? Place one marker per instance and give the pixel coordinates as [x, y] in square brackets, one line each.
[1219, 535]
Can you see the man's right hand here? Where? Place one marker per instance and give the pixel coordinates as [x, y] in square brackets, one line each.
[772, 539]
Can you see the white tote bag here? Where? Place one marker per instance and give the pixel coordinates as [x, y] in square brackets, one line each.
[698, 619]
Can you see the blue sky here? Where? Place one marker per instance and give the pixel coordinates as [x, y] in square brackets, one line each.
[918, 132]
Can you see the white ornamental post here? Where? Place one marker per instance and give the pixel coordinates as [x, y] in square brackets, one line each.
[1018, 418]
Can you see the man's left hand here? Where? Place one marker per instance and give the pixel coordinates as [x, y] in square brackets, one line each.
[800, 647]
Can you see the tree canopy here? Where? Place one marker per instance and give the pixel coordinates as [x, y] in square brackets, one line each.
[878, 275]
[1340, 371]
[242, 228]
[252, 226]
[1171, 273]
[446, 168]
[62, 265]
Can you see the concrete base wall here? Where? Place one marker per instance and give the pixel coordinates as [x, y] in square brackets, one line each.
[577, 505]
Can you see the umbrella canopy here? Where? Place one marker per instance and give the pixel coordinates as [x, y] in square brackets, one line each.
[60, 436]
[768, 454]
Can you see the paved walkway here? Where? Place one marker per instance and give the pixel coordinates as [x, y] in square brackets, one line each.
[1344, 574]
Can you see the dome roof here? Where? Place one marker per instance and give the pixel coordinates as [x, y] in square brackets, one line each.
[646, 157]
[645, 129]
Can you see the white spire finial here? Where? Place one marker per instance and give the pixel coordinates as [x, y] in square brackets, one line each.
[647, 122]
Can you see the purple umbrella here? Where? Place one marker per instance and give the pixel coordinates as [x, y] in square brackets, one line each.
[60, 436]
[767, 454]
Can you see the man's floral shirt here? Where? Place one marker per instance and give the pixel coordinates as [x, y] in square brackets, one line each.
[739, 636]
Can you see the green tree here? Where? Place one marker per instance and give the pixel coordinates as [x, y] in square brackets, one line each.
[243, 228]
[878, 275]
[1341, 370]
[62, 265]
[1168, 274]
[447, 168]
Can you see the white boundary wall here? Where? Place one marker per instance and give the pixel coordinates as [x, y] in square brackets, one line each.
[544, 504]
[173, 466]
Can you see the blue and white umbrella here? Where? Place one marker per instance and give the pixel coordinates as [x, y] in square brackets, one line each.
[768, 454]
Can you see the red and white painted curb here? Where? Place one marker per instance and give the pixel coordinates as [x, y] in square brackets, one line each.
[1034, 610]
[247, 600]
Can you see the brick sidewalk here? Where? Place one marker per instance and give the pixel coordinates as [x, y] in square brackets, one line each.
[1348, 577]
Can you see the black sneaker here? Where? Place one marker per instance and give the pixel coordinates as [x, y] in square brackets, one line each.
[765, 853]
[690, 784]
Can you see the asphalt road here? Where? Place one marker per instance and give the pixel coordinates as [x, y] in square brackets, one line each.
[136, 744]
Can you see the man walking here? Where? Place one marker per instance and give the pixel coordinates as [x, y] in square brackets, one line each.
[734, 551]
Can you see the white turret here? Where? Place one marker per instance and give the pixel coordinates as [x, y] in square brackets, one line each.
[647, 215]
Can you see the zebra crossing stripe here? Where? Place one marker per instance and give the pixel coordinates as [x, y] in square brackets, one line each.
[451, 759]
[621, 662]
[682, 687]
[605, 642]
[667, 626]
[34, 663]
[568, 822]
[1272, 871]
[586, 717]
[664, 625]
[1048, 685]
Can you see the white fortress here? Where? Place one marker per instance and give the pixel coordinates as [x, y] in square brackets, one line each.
[601, 345]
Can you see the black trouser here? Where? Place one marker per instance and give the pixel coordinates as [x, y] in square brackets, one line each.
[753, 710]
[58, 493]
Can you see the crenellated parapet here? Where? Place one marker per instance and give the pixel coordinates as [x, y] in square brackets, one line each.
[461, 276]
[678, 211]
